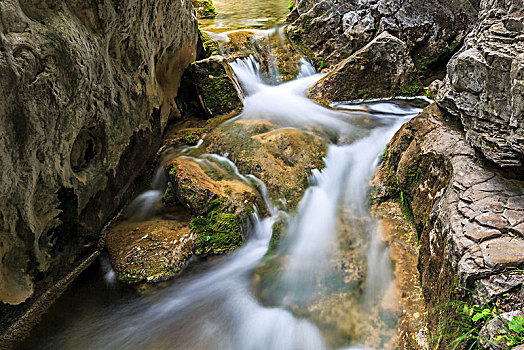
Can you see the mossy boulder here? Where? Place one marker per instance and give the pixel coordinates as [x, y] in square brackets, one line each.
[281, 158]
[383, 68]
[204, 8]
[216, 86]
[219, 201]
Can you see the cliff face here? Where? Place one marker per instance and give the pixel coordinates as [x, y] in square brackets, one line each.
[456, 168]
[484, 86]
[87, 88]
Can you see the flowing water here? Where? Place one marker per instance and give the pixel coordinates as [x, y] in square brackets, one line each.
[329, 280]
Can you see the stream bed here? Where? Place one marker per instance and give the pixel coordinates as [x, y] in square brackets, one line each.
[329, 284]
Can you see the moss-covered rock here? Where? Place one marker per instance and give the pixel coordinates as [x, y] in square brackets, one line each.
[204, 8]
[219, 232]
[216, 86]
[383, 68]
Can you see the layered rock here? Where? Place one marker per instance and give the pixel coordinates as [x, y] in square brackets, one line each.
[468, 217]
[484, 85]
[335, 29]
[87, 89]
[382, 68]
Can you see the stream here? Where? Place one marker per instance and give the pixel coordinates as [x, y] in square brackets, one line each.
[332, 287]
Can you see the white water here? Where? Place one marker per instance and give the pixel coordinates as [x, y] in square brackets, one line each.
[216, 309]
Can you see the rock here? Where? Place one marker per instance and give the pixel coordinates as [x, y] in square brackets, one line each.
[496, 286]
[220, 202]
[484, 86]
[281, 158]
[503, 252]
[463, 211]
[87, 91]
[431, 29]
[216, 86]
[204, 8]
[382, 68]
[494, 328]
[150, 251]
[279, 60]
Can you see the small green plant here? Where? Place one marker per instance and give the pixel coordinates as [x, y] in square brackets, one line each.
[465, 327]
[291, 5]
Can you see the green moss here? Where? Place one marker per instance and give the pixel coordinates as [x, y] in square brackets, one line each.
[412, 89]
[361, 93]
[193, 137]
[205, 8]
[219, 232]
[169, 197]
[210, 45]
[291, 5]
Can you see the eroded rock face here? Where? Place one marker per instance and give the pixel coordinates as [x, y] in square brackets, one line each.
[87, 89]
[467, 215]
[383, 68]
[431, 29]
[484, 86]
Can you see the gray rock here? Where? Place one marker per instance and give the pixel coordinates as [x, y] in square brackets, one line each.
[494, 328]
[380, 69]
[495, 286]
[484, 85]
[431, 29]
[87, 89]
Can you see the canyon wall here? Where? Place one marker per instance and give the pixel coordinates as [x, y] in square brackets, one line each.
[87, 89]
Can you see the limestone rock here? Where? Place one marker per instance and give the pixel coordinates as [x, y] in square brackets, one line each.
[281, 158]
[87, 89]
[431, 29]
[216, 86]
[484, 86]
[488, 334]
[219, 200]
[383, 68]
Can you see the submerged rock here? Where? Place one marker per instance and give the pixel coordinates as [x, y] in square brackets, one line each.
[216, 86]
[383, 68]
[484, 85]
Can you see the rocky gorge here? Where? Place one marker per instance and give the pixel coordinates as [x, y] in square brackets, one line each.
[243, 159]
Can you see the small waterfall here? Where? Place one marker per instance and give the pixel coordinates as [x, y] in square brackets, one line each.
[216, 308]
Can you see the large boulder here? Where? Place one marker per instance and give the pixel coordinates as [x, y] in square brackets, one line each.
[383, 68]
[87, 89]
[484, 85]
[431, 29]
